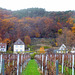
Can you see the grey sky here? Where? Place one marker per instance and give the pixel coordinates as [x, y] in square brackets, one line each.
[49, 5]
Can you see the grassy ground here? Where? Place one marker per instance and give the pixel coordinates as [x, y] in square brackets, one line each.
[31, 69]
[67, 71]
[38, 42]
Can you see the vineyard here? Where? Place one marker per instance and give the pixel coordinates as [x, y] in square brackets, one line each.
[64, 66]
[49, 64]
[13, 64]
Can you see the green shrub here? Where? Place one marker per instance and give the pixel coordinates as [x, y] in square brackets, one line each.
[33, 55]
[9, 52]
[31, 47]
[46, 47]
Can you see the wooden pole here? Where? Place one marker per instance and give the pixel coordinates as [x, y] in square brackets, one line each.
[21, 63]
[72, 64]
[42, 63]
[1, 64]
[56, 67]
[3, 67]
[18, 64]
[62, 63]
[46, 66]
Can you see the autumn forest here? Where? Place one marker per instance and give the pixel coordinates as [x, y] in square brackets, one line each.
[36, 22]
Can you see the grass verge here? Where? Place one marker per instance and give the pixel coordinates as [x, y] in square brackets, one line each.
[31, 69]
[66, 70]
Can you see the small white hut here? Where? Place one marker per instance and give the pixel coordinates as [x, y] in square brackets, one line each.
[62, 49]
[73, 50]
[19, 46]
[3, 47]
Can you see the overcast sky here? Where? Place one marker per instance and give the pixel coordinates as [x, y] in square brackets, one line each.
[49, 5]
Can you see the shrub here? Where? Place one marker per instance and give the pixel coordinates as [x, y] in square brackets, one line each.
[46, 47]
[9, 52]
[33, 55]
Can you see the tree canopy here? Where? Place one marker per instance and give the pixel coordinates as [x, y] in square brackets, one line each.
[34, 22]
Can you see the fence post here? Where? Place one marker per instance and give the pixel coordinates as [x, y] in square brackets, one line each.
[72, 64]
[1, 64]
[55, 59]
[13, 62]
[9, 60]
[21, 63]
[18, 64]
[3, 67]
[56, 67]
[62, 63]
[70, 60]
[46, 61]
[42, 63]
[24, 60]
[46, 65]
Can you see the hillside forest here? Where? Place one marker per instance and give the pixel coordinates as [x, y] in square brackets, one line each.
[37, 23]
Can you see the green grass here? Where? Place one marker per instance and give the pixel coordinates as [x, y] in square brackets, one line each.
[31, 69]
[46, 47]
[67, 71]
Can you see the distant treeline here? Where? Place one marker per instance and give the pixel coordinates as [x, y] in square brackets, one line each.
[34, 22]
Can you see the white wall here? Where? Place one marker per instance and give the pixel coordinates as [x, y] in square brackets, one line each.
[19, 48]
[3, 49]
[62, 51]
[72, 51]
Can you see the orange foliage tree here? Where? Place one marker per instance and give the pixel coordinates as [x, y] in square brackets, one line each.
[0, 39]
[27, 40]
[9, 49]
[73, 29]
[42, 50]
[67, 37]
[60, 31]
[37, 34]
[7, 40]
